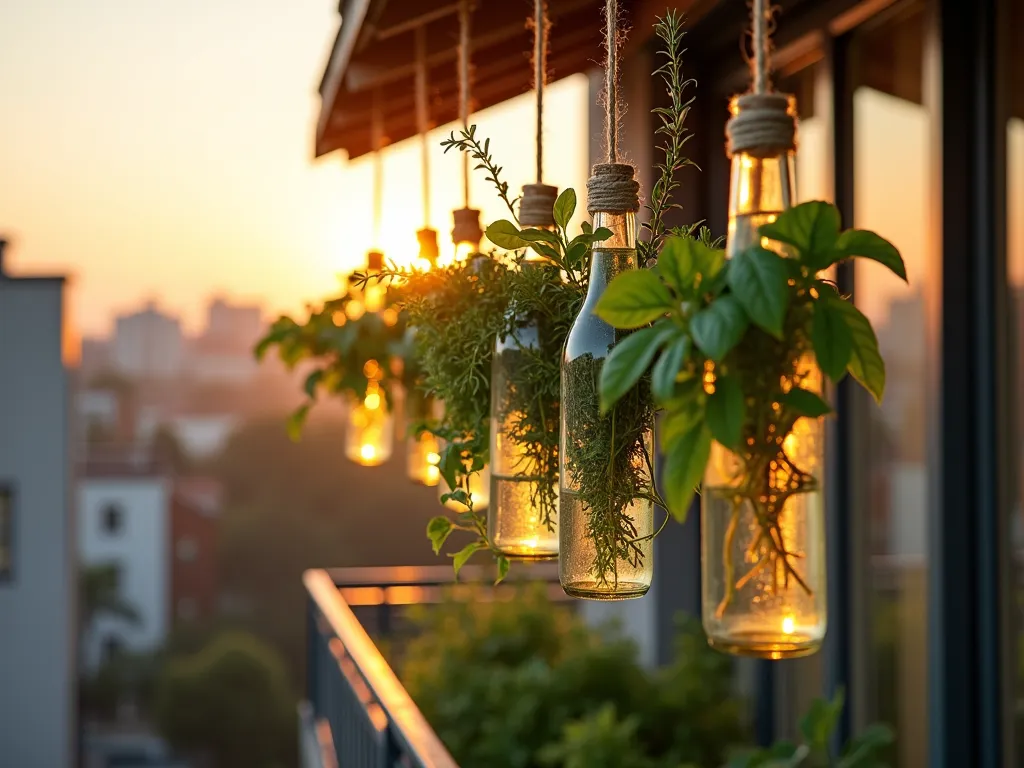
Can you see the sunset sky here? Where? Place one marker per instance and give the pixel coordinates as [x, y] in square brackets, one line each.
[157, 149]
[164, 149]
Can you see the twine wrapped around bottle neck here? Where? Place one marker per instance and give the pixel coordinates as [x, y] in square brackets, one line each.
[467, 226]
[611, 188]
[763, 125]
[537, 205]
[375, 261]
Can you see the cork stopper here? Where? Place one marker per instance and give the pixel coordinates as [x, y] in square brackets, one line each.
[375, 261]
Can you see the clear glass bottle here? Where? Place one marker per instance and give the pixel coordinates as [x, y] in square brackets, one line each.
[523, 517]
[605, 532]
[422, 454]
[762, 510]
[369, 439]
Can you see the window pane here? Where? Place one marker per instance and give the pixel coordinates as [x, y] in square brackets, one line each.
[892, 133]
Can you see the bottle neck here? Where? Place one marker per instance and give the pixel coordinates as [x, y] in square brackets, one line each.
[760, 189]
[615, 254]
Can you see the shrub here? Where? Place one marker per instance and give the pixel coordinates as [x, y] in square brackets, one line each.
[524, 683]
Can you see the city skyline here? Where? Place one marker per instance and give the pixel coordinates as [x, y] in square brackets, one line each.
[189, 168]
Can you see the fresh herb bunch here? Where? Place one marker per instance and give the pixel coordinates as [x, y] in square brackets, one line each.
[339, 342]
[456, 312]
[731, 348]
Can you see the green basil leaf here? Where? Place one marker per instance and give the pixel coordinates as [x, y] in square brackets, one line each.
[565, 207]
[715, 285]
[634, 298]
[867, 245]
[820, 722]
[866, 364]
[459, 558]
[681, 414]
[684, 469]
[663, 375]
[831, 338]
[450, 465]
[805, 402]
[675, 264]
[311, 383]
[812, 228]
[438, 530]
[708, 263]
[533, 235]
[546, 250]
[718, 327]
[505, 234]
[629, 360]
[759, 280]
[502, 569]
[727, 411]
[296, 420]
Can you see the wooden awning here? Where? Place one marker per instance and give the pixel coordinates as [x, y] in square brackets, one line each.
[375, 51]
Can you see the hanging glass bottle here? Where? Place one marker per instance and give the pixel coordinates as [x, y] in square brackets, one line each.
[523, 516]
[369, 438]
[422, 450]
[762, 510]
[605, 529]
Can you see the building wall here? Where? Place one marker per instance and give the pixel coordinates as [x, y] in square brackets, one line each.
[148, 344]
[193, 562]
[140, 550]
[38, 602]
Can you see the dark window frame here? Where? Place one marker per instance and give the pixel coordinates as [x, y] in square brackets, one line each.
[969, 585]
[8, 531]
[112, 519]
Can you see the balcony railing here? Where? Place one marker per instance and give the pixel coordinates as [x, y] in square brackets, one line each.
[357, 713]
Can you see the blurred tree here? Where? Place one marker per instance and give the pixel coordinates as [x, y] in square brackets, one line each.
[100, 595]
[230, 704]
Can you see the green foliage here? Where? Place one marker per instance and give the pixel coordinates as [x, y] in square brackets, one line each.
[339, 338]
[100, 595]
[672, 119]
[816, 729]
[229, 702]
[745, 338]
[525, 684]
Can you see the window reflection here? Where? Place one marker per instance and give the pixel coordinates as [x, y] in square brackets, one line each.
[892, 182]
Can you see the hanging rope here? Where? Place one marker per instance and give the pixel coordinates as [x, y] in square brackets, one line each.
[377, 140]
[422, 118]
[540, 70]
[538, 201]
[464, 89]
[611, 187]
[763, 124]
[611, 74]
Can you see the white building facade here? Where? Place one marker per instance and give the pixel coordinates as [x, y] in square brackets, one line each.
[38, 578]
[124, 522]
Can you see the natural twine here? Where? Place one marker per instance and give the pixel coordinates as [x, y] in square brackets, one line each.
[612, 187]
[763, 124]
[464, 8]
[536, 207]
[429, 250]
[377, 139]
[466, 226]
[540, 68]
[422, 118]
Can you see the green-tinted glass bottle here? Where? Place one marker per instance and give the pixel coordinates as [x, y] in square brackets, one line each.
[605, 530]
